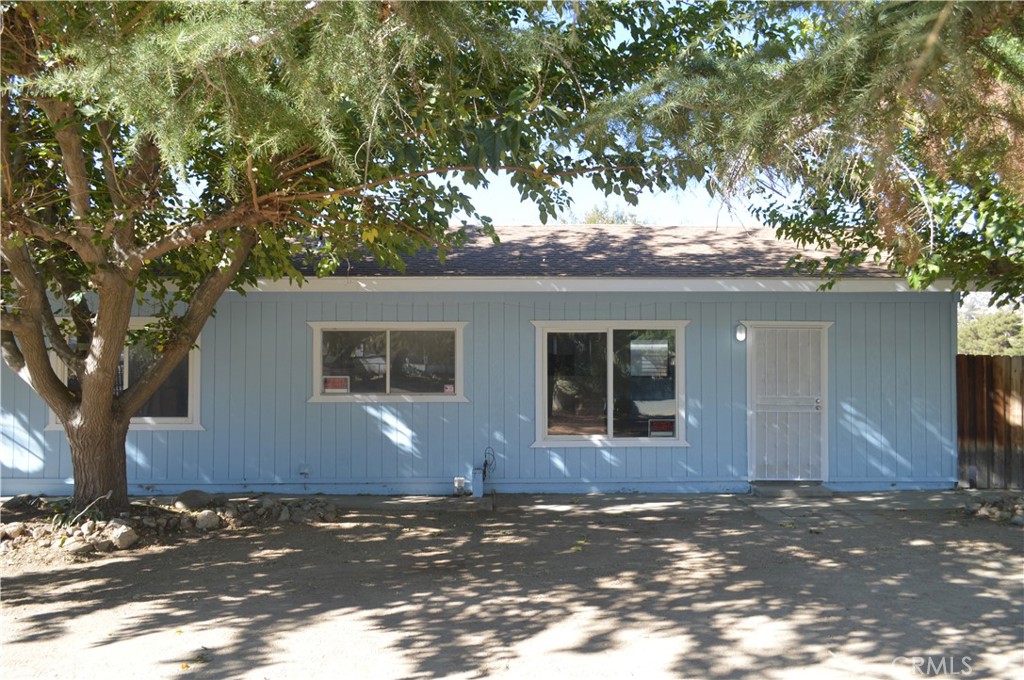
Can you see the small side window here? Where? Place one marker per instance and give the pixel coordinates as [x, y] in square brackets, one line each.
[174, 405]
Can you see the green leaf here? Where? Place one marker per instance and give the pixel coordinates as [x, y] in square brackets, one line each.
[521, 92]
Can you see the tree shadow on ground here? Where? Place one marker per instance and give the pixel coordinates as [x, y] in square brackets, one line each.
[650, 590]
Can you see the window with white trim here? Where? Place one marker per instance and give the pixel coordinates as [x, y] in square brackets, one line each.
[610, 383]
[174, 405]
[387, 361]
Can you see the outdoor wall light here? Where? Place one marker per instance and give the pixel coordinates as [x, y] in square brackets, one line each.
[741, 332]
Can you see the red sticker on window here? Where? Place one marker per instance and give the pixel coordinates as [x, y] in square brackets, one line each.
[336, 383]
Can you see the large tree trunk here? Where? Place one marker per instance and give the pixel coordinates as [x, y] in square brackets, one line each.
[99, 463]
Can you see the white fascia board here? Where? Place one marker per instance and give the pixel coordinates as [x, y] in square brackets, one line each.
[513, 284]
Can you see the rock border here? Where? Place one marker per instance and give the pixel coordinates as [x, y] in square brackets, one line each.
[1007, 509]
[152, 521]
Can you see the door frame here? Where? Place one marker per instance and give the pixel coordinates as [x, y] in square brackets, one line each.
[752, 327]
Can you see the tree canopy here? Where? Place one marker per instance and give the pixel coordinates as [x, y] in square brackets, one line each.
[892, 130]
[997, 332]
[161, 153]
[156, 154]
[602, 214]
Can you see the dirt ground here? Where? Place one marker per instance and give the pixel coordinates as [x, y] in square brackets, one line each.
[578, 588]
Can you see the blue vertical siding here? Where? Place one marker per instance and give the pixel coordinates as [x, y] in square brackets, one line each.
[890, 388]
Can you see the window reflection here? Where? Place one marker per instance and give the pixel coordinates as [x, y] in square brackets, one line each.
[577, 383]
[643, 401]
[388, 362]
[422, 362]
[644, 383]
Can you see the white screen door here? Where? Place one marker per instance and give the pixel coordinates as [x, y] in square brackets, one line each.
[786, 373]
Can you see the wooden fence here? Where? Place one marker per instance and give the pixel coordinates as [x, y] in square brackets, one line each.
[990, 420]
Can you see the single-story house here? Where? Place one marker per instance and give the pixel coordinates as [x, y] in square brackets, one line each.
[568, 359]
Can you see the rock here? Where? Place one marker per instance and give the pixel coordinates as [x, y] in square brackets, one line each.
[77, 546]
[195, 499]
[1018, 520]
[972, 507]
[267, 502]
[103, 544]
[207, 519]
[285, 515]
[149, 522]
[116, 522]
[20, 501]
[40, 532]
[14, 529]
[123, 537]
[88, 527]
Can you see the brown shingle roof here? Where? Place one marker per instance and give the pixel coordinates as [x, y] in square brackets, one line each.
[612, 251]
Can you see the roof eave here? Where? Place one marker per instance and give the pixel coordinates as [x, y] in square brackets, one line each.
[552, 284]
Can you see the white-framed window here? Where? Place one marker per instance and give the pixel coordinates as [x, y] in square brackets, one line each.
[610, 383]
[174, 405]
[387, 361]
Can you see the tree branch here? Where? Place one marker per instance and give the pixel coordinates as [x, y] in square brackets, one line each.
[302, 168]
[236, 216]
[117, 199]
[200, 306]
[72, 152]
[13, 357]
[37, 315]
[252, 183]
[24, 343]
[347, 191]
[145, 167]
[6, 157]
[81, 314]
[29, 227]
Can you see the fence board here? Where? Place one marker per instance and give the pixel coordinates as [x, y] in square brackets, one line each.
[965, 446]
[990, 420]
[1016, 419]
[998, 392]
